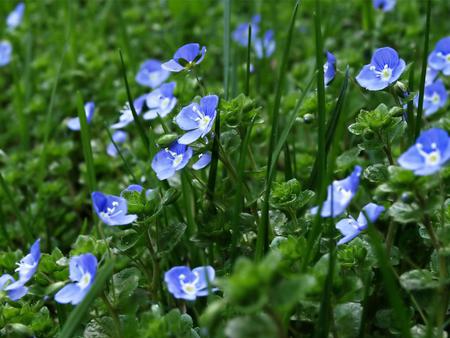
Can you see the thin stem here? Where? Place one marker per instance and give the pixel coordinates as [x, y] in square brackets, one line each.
[113, 313]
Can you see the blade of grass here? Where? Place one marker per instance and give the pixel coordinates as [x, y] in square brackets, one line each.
[321, 152]
[86, 144]
[426, 40]
[125, 162]
[226, 77]
[411, 125]
[393, 291]
[150, 147]
[331, 126]
[249, 52]
[262, 242]
[80, 312]
[26, 229]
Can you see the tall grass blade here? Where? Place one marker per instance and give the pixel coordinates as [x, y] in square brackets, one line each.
[26, 229]
[262, 242]
[393, 291]
[426, 41]
[86, 144]
[79, 313]
[249, 53]
[411, 126]
[332, 124]
[150, 147]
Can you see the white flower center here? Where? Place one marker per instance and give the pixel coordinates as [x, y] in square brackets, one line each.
[111, 211]
[189, 288]
[164, 102]
[177, 160]
[325, 67]
[202, 119]
[435, 99]
[85, 280]
[153, 76]
[432, 158]
[25, 267]
[385, 74]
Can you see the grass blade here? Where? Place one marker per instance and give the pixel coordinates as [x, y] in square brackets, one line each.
[411, 126]
[86, 144]
[391, 286]
[426, 41]
[26, 229]
[331, 126]
[262, 242]
[79, 313]
[150, 147]
[247, 73]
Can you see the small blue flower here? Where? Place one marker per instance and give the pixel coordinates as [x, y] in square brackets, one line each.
[186, 284]
[126, 116]
[203, 161]
[82, 271]
[160, 101]
[169, 160]
[186, 57]
[384, 69]
[266, 46]
[429, 154]
[151, 74]
[329, 68]
[15, 17]
[5, 52]
[384, 5]
[118, 137]
[112, 210]
[26, 269]
[439, 58]
[434, 98]
[197, 119]
[340, 193]
[240, 34]
[74, 122]
[14, 289]
[350, 228]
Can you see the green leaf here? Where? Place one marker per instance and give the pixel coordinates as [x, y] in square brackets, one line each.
[169, 237]
[348, 318]
[258, 325]
[376, 173]
[419, 280]
[405, 213]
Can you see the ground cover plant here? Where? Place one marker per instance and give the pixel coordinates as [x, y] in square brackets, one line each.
[224, 168]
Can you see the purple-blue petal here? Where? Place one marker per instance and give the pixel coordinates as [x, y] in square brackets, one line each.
[203, 160]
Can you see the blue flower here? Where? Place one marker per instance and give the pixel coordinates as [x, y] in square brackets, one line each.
[203, 160]
[126, 116]
[434, 98]
[439, 58]
[429, 154]
[14, 289]
[186, 57]
[240, 34]
[350, 228]
[118, 137]
[384, 68]
[266, 46]
[82, 271]
[197, 119]
[5, 52]
[112, 210]
[74, 122]
[151, 74]
[384, 5]
[26, 269]
[15, 17]
[160, 101]
[340, 193]
[169, 160]
[329, 68]
[186, 284]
